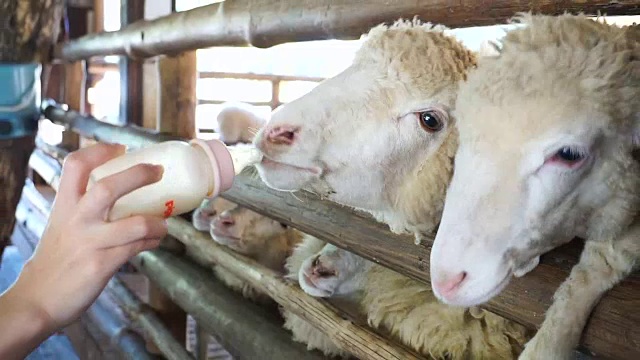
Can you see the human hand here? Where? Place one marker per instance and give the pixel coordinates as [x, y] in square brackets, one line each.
[80, 250]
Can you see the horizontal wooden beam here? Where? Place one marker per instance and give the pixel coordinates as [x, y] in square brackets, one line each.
[612, 331]
[265, 23]
[252, 76]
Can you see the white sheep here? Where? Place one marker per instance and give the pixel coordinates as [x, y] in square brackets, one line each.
[548, 130]
[238, 123]
[395, 305]
[380, 137]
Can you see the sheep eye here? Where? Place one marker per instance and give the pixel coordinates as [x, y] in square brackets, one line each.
[430, 121]
[568, 156]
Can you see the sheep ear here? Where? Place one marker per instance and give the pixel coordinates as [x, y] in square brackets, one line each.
[489, 48]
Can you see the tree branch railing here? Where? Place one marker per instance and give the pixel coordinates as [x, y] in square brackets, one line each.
[265, 23]
[612, 330]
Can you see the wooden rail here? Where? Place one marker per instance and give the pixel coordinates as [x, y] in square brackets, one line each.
[264, 23]
[613, 330]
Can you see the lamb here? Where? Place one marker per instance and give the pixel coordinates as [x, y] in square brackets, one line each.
[379, 137]
[238, 123]
[208, 209]
[553, 160]
[324, 270]
[253, 235]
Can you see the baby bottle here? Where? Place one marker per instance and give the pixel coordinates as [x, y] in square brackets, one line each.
[192, 171]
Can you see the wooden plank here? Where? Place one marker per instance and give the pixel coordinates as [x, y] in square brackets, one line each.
[131, 69]
[252, 76]
[176, 96]
[178, 77]
[613, 330]
[150, 82]
[261, 22]
[243, 327]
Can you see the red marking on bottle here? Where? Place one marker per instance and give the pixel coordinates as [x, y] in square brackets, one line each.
[169, 206]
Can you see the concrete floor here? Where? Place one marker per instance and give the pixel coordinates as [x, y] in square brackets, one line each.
[57, 346]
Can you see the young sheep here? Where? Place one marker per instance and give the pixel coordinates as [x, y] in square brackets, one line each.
[248, 233]
[379, 137]
[548, 131]
[256, 236]
[396, 306]
[238, 123]
[208, 209]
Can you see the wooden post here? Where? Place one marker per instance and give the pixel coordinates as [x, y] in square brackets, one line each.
[131, 69]
[177, 116]
[178, 77]
[75, 77]
[171, 91]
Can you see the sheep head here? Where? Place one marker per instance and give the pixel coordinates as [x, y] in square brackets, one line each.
[372, 137]
[332, 272]
[250, 233]
[547, 133]
[207, 211]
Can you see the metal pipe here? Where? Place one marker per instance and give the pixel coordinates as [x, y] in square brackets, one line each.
[245, 329]
[129, 344]
[148, 320]
[90, 127]
[267, 23]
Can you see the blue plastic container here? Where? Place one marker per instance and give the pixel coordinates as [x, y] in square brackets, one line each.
[19, 99]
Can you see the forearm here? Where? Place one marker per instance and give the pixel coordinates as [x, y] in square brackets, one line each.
[22, 325]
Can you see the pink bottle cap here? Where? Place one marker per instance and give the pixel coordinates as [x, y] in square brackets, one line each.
[221, 163]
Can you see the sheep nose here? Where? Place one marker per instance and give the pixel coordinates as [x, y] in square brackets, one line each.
[320, 270]
[226, 221]
[449, 284]
[281, 135]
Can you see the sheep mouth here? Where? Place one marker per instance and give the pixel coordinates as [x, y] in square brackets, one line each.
[223, 237]
[310, 283]
[275, 165]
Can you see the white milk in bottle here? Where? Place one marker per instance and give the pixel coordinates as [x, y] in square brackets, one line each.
[192, 171]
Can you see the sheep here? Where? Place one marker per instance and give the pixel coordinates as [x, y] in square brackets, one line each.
[379, 137]
[256, 236]
[553, 159]
[383, 122]
[261, 238]
[303, 331]
[238, 123]
[450, 333]
[208, 209]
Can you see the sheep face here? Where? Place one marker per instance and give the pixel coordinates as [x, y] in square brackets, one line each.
[358, 136]
[546, 141]
[209, 208]
[245, 231]
[332, 272]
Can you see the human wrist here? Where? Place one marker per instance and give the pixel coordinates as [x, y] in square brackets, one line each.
[24, 324]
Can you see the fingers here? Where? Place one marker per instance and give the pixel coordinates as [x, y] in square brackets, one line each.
[101, 197]
[120, 254]
[133, 229]
[77, 167]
